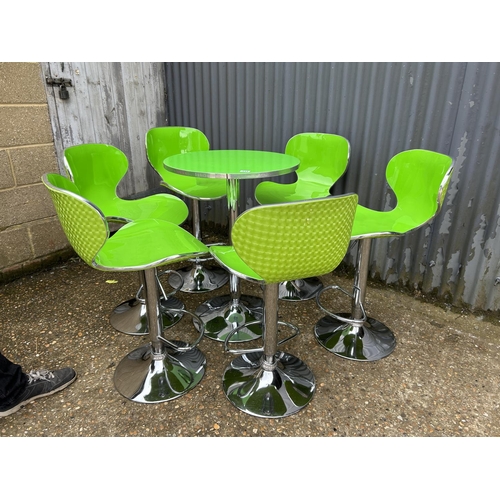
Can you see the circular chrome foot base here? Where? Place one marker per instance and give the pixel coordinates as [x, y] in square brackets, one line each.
[369, 342]
[274, 393]
[198, 279]
[220, 316]
[303, 289]
[145, 377]
[130, 316]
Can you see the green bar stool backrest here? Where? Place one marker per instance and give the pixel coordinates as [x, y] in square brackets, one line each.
[323, 157]
[294, 240]
[96, 169]
[419, 179]
[162, 142]
[83, 223]
[323, 160]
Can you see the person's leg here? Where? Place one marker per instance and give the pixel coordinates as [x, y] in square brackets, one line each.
[13, 381]
[17, 388]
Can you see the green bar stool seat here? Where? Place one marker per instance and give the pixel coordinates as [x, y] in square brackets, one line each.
[419, 179]
[162, 369]
[323, 160]
[162, 142]
[272, 243]
[96, 170]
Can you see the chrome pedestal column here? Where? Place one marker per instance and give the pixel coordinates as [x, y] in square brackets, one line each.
[197, 277]
[161, 370]
[268, 383]
[303, 289]
[130, 316]
[355, 336]
[221, 315]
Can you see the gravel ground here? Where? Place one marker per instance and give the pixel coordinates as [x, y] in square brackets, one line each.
[441, 380]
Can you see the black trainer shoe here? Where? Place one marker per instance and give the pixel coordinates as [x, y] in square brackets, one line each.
[41, 383]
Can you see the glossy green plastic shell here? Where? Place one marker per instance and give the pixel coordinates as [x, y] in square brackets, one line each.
[137, 245]
[419, 179]
[287, 241]
[323, 160]
[162, 142]
[97, 169]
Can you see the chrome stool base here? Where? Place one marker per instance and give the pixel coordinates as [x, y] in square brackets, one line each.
[369, 341]
[220, 316]
[302, 289]
[269, 393]
[198, 279]
[145, 377]
[130, 316]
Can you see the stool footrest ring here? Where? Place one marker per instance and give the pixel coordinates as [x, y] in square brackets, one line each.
[343, 319]
[176, 288]
[257, 349]
[176, 346]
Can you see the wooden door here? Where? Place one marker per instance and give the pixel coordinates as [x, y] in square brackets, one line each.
[113, 103]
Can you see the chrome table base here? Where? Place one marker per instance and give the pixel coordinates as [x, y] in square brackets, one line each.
[302, 289]
[145, 377]
[270, 392]
[368, 340]
[130, 316]
[220, 315]
[198, 278]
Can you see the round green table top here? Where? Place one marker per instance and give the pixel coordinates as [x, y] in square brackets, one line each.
[231, 164]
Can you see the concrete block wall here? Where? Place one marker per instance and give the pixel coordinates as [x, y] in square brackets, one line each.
[31, 237]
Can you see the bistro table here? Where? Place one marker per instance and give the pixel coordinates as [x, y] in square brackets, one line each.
[222, 314]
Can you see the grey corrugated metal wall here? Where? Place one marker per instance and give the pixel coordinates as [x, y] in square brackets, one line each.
[382, 109]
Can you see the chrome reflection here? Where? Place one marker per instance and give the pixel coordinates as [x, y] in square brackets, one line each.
[370, 340]
[301, 289]
[147, 377]
[130, 316]
[198, 278]
[268, 391]
[221, 315]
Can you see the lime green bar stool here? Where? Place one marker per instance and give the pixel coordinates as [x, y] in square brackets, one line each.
[273, 243]
[419, 179]
[323, 160]
[162, 142]
[162, 369]
[97, 169]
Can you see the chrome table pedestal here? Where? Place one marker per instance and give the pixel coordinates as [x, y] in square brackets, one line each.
[354, 335]
[302, 289]
[197, 277]
[130, 316]
[220, 315]
[161, 370]
[268, 383]
[223, 314]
